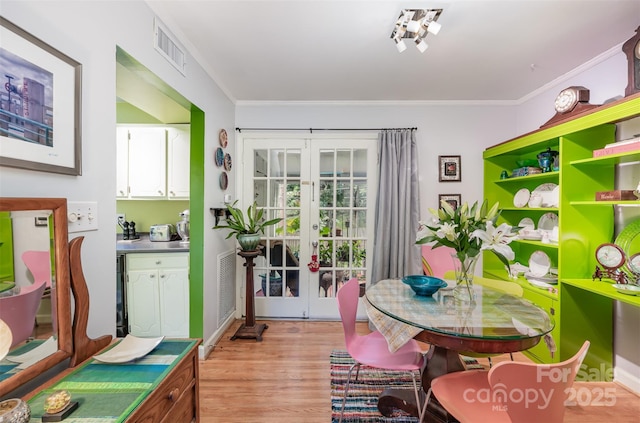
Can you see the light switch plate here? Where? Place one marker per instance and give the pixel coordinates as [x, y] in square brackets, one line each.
[82, 216]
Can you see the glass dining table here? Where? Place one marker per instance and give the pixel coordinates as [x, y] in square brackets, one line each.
[495, 323]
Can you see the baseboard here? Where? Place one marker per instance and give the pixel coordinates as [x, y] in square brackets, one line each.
[628, 380]
[207, 347]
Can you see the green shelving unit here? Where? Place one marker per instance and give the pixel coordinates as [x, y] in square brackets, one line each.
[581, 307]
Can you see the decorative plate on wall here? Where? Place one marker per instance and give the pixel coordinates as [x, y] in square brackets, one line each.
[224, 180]
[222, 136]
[227, 162]
[219, 156]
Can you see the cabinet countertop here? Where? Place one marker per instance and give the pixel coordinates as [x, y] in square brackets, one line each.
[143, 245]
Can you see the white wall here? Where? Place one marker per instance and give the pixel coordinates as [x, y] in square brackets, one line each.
[442, 130]
[88, 31]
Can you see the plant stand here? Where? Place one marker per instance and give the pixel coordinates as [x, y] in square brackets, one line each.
[249, 329]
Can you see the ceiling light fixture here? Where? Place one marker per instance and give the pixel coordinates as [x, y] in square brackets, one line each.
[416, 24]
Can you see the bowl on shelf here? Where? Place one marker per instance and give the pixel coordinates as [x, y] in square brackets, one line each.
[424, 285]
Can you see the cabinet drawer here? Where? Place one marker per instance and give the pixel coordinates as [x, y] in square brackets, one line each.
[173, 392]
[157, 261]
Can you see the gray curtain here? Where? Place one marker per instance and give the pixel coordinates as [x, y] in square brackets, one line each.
[398, 207]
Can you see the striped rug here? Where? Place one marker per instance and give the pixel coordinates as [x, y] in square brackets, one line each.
[362, 402]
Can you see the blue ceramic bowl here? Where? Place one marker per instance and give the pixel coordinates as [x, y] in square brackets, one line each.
[424, 285]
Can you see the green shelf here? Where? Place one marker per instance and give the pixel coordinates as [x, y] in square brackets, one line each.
[631, 203]
[603, 288]
[547, 176]
[610, 160]
[582, 308]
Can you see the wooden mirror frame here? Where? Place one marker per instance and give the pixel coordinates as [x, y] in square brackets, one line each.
[63, 286]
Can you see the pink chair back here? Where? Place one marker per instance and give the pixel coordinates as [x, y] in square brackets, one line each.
[19, 311]
[551, 383]
[348, 306]
[39, 264]
[436, 261]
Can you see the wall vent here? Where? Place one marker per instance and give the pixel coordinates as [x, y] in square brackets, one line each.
[167, 45]
[226, 285]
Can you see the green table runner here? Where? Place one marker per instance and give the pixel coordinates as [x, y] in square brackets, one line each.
[9, 368]
[110, 392]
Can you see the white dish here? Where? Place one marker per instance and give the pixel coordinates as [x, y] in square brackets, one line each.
[130, 348]
[555, 197]
[530, 235]
[539, 284]
[521, 198]
[548, 221]
[539, 264]
[627, 288]
[550, 279]
[527, 223]
[548, 193]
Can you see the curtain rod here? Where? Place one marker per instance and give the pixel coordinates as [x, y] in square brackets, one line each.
[321, 129]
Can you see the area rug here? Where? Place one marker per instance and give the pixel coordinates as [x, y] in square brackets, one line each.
[362, 400]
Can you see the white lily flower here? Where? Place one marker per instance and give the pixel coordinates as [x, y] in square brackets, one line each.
[423, 231]
[496, 239]
[448, 231]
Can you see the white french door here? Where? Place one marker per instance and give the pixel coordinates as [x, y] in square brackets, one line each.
[324, 189]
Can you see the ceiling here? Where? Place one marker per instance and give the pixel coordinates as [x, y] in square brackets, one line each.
[337, 51]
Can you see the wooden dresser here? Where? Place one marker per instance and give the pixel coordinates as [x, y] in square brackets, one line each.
[160, 387]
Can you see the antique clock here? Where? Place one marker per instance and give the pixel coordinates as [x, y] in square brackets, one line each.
[611, 257]
[631, 48]
[570, 101]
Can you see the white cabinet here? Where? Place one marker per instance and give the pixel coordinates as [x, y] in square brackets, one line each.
[153, 162]
[122, 160]
[178, 161]
[147, 163]
[158, 294]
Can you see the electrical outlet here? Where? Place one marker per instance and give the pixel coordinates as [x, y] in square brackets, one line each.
[121, 217]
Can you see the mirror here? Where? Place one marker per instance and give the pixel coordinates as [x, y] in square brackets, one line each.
[52, 220]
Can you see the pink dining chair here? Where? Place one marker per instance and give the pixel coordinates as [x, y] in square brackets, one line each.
[509, 392]
[39, 264]
[19, 311]
[372, 349]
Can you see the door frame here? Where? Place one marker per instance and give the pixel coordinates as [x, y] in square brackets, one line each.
[240, 181]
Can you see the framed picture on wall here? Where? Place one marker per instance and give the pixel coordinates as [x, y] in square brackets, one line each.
[40, 115]
[454, 200]
[450, 170]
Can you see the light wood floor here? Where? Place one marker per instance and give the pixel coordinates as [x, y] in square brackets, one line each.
[285, 378]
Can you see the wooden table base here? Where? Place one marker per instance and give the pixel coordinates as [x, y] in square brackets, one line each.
[250, 332]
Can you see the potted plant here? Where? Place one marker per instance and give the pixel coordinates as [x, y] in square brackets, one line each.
[247, 227]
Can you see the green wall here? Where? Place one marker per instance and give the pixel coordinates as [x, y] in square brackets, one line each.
[150, 212]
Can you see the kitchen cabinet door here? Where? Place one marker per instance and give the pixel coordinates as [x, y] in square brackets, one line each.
[147, 162]
[178, 161]
[143, 305]
[122, 162]
[174, 302]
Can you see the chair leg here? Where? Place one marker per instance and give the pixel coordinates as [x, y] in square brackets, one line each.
[415, 390]
[346, 388]
[424, 406]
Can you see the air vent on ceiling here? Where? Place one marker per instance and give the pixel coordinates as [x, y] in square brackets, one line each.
[167, 45]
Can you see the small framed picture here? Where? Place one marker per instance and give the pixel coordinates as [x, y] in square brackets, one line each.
[450, 170]
[454, 200]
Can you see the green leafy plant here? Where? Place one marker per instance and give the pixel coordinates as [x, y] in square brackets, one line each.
[251, 222]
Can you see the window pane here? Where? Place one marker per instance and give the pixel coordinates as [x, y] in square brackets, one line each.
[360, 163]
[260, 163]
[326, 163]
[293, 163]
[276, 164]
